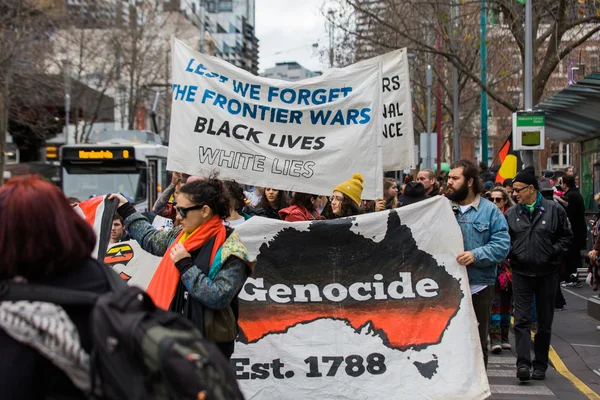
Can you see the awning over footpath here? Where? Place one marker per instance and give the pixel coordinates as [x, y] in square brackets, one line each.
[573, 114]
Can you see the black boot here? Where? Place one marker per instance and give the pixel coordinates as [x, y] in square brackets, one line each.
[523, 373]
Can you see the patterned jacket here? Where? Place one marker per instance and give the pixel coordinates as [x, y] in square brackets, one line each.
[213, 293]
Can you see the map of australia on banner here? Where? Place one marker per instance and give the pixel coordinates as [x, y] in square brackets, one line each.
[369, 307]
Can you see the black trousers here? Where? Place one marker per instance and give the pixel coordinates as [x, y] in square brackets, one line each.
[226, 349]
[482, 304]
[544, 290]
[559, 300]
[571, 261]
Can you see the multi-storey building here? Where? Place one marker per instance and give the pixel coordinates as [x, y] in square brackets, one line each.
[289, 71]
[367, 28]
[97, 13]
[231, 25]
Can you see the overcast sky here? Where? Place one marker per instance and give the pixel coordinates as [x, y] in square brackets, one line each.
[290, 27]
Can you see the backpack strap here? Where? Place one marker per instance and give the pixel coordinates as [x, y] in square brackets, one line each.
[12, 291]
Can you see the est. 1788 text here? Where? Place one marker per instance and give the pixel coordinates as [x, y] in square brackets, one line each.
[316, 367]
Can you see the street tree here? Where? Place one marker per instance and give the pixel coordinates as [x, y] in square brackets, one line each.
[24, 90]
[450, 30]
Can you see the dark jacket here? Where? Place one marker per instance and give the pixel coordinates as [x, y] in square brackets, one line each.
[435, 191]
[229, 280]
[538, 240]
[267, 212]
[253, 212]
[576, 214]
[24, 373]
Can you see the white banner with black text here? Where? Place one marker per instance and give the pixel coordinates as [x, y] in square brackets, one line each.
[305, 136]
[369, 307]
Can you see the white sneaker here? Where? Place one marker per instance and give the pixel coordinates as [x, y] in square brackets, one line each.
[506, 346]
[496, 349]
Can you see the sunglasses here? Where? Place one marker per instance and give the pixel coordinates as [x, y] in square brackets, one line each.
[183, 211]
[519, 190]
[497, 199]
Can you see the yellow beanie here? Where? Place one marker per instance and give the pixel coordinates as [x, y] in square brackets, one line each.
[352, 188]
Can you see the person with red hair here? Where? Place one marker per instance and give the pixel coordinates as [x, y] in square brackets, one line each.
[43, 241]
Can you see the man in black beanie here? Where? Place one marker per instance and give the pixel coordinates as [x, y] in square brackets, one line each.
[540, 233]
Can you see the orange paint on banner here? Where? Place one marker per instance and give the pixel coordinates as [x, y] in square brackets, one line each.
[403, 327]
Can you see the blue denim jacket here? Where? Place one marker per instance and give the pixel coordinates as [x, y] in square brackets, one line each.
[485, 234]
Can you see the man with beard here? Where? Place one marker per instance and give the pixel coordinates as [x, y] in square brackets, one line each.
[540, 233]
[486, 240]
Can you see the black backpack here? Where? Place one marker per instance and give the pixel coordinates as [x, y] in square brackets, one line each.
[140, 351]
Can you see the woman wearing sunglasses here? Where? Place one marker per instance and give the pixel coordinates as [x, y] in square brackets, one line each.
[204, 264]
[502, 304]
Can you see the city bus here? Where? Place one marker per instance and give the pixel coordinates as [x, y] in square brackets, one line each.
[137, 170]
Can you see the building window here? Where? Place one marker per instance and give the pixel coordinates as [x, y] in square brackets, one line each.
[226, 5]
[595, 62]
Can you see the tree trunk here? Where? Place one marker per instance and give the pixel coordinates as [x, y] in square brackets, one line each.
[4, 105]
[131, 104]
[3, 124]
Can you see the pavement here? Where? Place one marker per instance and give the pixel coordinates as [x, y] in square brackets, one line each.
[575, 373]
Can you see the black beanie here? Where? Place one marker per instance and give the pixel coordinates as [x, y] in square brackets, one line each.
[527, 176]
[414, 189]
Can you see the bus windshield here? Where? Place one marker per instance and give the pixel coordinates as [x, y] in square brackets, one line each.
[84, 182]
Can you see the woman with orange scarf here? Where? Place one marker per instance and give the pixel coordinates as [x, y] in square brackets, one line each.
[204, 264]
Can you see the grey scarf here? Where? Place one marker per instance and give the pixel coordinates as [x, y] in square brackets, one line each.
[46, 327]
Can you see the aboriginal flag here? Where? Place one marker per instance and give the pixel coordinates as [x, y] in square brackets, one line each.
[509, 161]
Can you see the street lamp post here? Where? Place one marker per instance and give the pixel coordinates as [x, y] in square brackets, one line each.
[455, 110]
[331, 14]
[484, 99]
[429, 79]
[67, 83]
[527, 155]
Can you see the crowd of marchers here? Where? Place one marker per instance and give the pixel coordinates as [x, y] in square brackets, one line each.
[522, 238]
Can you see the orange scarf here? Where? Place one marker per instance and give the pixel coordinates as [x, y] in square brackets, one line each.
[164, 283]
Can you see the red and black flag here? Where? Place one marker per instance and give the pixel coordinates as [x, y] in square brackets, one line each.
[99, 212]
